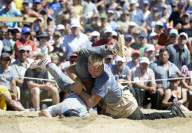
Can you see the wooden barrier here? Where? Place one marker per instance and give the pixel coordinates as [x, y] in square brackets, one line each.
[18, 19]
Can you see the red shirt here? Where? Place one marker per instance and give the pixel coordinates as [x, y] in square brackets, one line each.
[21, 42]
[104, 42]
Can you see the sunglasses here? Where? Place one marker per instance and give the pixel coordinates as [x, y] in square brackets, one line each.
[172, 36]
[7, 59]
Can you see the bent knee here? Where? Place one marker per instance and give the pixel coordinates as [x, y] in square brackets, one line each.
[35, 91]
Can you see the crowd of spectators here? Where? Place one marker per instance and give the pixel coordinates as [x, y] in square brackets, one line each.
[157, 47]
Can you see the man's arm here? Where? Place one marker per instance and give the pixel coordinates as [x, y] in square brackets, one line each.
[31, 84]
[13, 87]
[90, 100]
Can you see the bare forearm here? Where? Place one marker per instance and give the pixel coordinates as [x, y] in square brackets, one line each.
[71, 72]
[167, 104]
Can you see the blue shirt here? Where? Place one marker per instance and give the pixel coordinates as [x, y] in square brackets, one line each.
[107, 87]
[178, 56]
[12, 13]
[160, 73]
[131, 65]
[123, 75]
[138, 18]
[54, 5]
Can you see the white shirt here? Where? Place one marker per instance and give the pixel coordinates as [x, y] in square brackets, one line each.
[72, 44]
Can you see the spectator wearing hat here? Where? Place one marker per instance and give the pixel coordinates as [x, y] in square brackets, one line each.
[75, 41]
[108, 61]
[144, 84]
[95, 36]
[8, 11]
[142, 43]
[185, 26]
[159, 28]
[121, 72]
[104, 22]
[129, 50]
[137, 14]
[176, 17]
[164, 37]
[153, 39]
[57, 45]
[161, 3]
[136, 54]
[133, 29]
[174, 6]
[145, 8]
[8, 81]
[37, 6]
[150, 52]
[44, 46]
[123, 23]
[21, 64]
[25, 40]
[112, 23]
[16, 33]
[173, 35]
[179, 54]
[175, 95]
[107, 38]
[95, 21]
[152, 19]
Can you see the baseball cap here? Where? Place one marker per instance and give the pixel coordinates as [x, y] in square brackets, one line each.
[127, 36]
[173, 31]
[152, 34]
[73, 55]
[7, 48]
[186, 14]
[95, 15]
[131, 23]
[143, 34]
[119, 58]
[183, 34]
[5, 55]
[60, 27]
[108, 29]
[136, 52]
[150, 47]
[22, 48]
[57, 33]
[181, 4]
[144, 60]
[110, 11]
[28, 47]
[155, 9]
[146, 2]
[126, 12]
[75, 24]
[17, 28]
[103, 15]
[164, 6]
[133, 2]
[36, 1]
[159, 23]
[114, 33]
[26, 30]
[95, 33]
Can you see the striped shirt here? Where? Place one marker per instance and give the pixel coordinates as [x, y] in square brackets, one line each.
[187, 72]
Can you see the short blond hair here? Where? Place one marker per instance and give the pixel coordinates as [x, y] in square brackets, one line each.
[95, 60]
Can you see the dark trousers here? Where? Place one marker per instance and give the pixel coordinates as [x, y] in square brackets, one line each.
[144, 97]
[139, 115]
